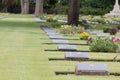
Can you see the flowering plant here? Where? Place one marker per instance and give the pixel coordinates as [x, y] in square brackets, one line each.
[113, 31]
[115, 40]
[103, 45]
[69, 29]
[50, 19]
[84, 35]
[65, 29]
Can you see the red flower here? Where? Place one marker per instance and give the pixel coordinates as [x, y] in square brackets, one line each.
[115, 40]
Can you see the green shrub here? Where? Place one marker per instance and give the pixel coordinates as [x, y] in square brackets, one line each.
[117, 19]
[92, 11]
[60, 9]
[103, 45]
[54, 24]
[106, 29]
[50, 19]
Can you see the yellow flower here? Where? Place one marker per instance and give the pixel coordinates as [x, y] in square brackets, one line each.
[84, 35]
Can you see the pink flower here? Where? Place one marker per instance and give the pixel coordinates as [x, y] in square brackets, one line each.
[115, 40]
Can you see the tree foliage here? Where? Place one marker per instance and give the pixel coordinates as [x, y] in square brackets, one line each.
[94, 7]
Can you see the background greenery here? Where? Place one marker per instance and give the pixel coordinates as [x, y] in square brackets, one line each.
[87, 7]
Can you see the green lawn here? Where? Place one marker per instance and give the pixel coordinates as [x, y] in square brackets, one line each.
[22, 55]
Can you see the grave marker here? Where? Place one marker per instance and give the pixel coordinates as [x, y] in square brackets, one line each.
[67, 47]
[91, 69]
[76, 56]
[60, 41]
[52, 34]
[50, 31]
[103, 35]
[93, 33]
[55, 37]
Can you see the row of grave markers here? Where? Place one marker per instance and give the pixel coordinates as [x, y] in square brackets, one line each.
[81, 68]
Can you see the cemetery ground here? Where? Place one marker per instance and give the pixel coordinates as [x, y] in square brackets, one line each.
[24, 54]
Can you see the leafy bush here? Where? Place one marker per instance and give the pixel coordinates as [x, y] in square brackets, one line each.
[68, 29]
[50, 19]
[113, 31]
[54, 24]
[117, 19]
[92, 11]
[103, 45]
[60, 9]
[65, 29]
[106, 29]
[98, 19]
[118, 27]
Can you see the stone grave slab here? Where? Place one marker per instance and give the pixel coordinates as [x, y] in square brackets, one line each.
[49, 31]
[46, 29]
[89, 30]
[52, 34]
[91, 69]
[76, 56]
[39, 20]
[103, 35]
[60, 41]
[63, 21]
[93, 33]
[55, 37]
[67, 47]
[43, 27]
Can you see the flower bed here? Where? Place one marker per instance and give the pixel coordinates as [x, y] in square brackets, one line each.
[104, 45]
[69, 29]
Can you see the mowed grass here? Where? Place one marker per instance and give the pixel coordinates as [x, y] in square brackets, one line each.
[22, 55]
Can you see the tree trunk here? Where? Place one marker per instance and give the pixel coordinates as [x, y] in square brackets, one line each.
[73, 12]
[39, 7]
[24, 6]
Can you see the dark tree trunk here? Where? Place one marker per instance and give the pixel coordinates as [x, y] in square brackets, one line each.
[73, 12]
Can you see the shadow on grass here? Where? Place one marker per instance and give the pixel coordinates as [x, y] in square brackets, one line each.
[73, 73]
[61, 39]
[95, 60]
[64, 43]
[66, 50]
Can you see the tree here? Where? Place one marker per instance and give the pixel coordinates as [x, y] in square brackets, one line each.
[73, 12]
[39, 7]
[6, 4]
[24, 6]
